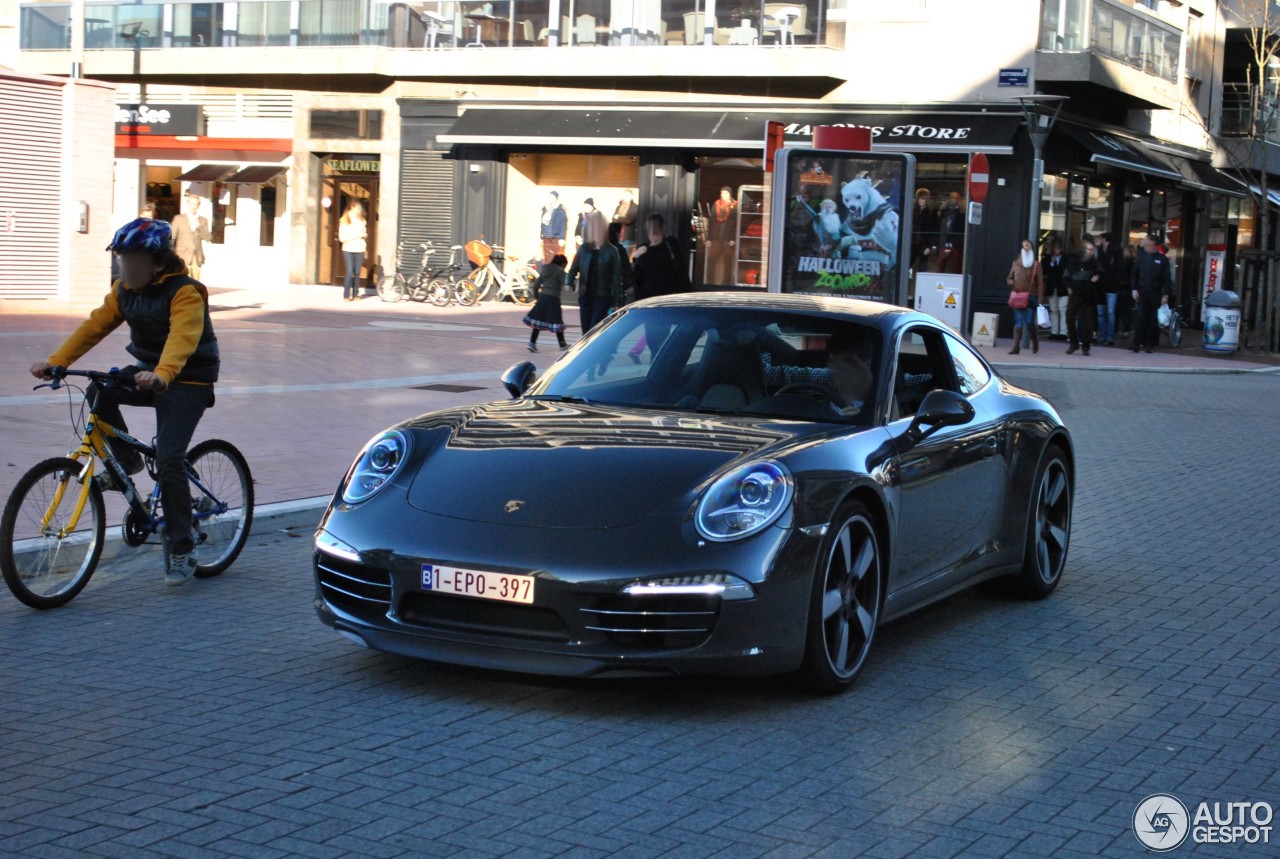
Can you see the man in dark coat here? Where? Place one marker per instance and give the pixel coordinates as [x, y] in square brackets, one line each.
[1152, 285]
[1083, 276]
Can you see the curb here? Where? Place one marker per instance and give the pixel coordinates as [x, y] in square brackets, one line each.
[277, 516]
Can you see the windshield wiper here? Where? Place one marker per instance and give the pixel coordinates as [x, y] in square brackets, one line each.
[563, 398]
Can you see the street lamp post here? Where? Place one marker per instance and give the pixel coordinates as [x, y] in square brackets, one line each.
[1040, 111]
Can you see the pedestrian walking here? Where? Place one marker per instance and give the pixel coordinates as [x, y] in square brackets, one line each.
[190, 232]
[1054, 270]
[658, 268]
[596, 274]
[628, 282]
[352, 235]
[546, 314]
[1082, 299]
[1152, 285]
[1124, 295]
[1109, 266]
[1026, 285]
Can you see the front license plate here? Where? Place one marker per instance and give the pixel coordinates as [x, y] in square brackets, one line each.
[474, 583]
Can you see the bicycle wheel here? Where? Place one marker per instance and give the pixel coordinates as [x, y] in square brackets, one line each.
[45, 561]
[222, 504]
[484, 284]
[391, 287]
[522, 288]
[416, 289]
[464, 292]
[440, 291]
[1175, 331]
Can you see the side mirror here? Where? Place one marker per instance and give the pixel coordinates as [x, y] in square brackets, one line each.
[518, 379]
[939, 409]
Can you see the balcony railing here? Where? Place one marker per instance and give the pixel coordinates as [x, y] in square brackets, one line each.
[1124, 33]
[1241, 103]
[441, 24]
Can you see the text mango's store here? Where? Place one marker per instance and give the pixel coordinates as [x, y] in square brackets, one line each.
[703, 171]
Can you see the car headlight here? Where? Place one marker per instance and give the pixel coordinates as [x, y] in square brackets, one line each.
[381, 458]
[744, 501]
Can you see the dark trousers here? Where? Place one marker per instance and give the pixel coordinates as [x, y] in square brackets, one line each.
[1124, 310]
[352, 263]
[1146, 328]
[1081, 313]
[592, 309]
[178, 412]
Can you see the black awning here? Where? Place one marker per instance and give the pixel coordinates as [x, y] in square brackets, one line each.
[1123, 152]
[255, 175]
[665, 128]
[207, 173]
[1203, 177]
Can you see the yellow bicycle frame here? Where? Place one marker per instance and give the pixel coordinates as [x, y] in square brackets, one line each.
[94, 444]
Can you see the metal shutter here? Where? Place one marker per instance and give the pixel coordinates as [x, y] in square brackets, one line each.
[426, 203]
[30, 188]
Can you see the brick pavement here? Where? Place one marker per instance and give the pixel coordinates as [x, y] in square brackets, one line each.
[222, 719]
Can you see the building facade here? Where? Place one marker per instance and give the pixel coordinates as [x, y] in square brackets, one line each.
[455, 120]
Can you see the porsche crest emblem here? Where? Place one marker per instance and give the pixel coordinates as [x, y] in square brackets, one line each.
[513, 505]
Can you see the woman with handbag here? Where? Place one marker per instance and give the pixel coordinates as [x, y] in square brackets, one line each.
[1027, 291]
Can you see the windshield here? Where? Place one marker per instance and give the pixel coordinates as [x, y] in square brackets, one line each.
[725, 360]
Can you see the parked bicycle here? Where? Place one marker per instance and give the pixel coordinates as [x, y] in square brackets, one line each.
[447, 287]
[419, 285]
[490, 281]
[54, 524]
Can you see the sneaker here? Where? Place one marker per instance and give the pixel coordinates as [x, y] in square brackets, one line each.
[1072, 350]
[532, 348]
[181, 568]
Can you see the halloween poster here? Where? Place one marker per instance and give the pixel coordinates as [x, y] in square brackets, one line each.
[842, 223]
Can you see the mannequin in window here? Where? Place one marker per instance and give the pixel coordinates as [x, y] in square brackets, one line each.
[951, 234]
[722, 237]
[924, 230]
[553, 224]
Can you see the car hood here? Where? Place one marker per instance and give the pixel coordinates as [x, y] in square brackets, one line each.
[549, 464]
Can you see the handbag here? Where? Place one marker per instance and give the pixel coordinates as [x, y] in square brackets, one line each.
[1042, 318]
[1019, 300]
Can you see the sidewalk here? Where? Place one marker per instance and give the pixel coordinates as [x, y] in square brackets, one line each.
[1188, 358]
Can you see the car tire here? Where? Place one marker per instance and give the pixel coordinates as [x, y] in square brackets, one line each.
[844, 607]
[1048, 528]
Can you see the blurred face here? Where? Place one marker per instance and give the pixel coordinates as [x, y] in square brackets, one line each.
[138, 269]
[852, 375]
[193, 205]
[726, 196]
[1149, 245]
[1026, 245]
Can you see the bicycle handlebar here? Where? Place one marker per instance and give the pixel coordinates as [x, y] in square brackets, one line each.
[116, 377]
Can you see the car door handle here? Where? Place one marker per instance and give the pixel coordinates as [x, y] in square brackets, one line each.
[991, 448]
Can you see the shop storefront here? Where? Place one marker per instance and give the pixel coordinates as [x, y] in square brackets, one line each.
[347, 179]
[1104, 181]
[163, 156]
[703, 171]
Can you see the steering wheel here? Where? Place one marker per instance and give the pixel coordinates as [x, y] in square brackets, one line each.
[810, 389]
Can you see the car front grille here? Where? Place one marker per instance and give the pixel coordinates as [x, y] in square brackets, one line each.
[353, 587]
[653, 621]
[482, 617]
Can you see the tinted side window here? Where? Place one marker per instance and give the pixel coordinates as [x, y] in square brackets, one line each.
[971, 373]
[923, 365]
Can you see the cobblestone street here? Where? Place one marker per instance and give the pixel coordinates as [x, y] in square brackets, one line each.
[222, 719]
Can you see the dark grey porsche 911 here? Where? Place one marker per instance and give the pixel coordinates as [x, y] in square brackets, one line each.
[720, 483]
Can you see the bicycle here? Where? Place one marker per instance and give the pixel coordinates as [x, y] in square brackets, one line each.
[392, 287]
[445, 287]
[1173, 330]
[48, 551]
[517, 286]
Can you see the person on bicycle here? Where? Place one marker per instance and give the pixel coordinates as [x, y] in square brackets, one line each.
[176, 354]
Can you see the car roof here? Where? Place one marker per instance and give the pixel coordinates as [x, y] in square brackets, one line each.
[875, 312]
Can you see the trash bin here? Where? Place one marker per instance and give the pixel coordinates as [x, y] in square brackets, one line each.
[1222, 321]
